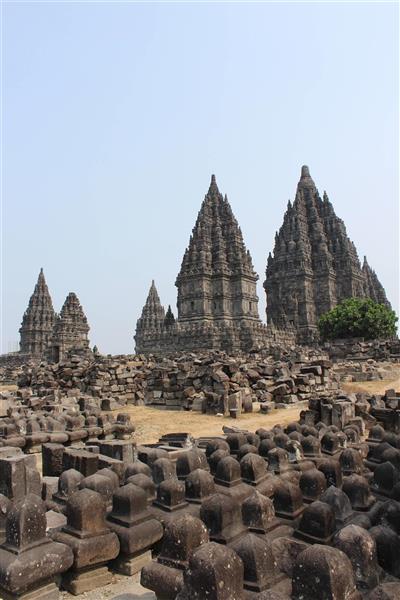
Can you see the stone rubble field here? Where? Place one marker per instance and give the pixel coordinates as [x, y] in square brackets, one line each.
[283, 478]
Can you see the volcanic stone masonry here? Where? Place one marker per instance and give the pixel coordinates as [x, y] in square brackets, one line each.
[314, 265]
[274, 514]
[208, 383]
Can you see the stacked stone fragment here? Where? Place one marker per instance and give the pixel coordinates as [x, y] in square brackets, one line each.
[274, 514]
[210, 382]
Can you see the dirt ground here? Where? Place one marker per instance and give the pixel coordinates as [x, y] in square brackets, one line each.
[152, 423]
[372, 387]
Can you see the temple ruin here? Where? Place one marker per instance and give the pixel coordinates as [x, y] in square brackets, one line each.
[38, 320]
[314, 264]
[44, 334]
[70, 331]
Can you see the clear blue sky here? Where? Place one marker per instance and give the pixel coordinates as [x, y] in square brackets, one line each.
[115, 116]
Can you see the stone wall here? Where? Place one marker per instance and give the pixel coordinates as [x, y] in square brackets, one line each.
[359, 349]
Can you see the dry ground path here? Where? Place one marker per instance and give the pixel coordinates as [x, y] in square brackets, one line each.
[151, 423]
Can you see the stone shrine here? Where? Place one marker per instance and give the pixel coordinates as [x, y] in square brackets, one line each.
[70, 330]
[314, 265]
[38, 320]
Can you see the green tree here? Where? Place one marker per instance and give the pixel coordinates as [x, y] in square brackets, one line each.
[358, 317]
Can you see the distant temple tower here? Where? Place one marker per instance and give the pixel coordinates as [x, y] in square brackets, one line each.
[150, 325]
[314, 265]
[38, 320]
[217, 281]
[373, 287]
[70, 331]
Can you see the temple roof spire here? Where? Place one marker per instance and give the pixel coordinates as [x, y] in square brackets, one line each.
[314, 263]
[213, 189]
[38, 319]
[70, 333]
[216, 244]
[306, 180]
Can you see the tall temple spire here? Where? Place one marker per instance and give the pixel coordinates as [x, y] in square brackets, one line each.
[306, 180]
[153, 313]
[169, 320]
[314, 265]
[373, 287]
[70, 330]
[215, 260]
[38, 320]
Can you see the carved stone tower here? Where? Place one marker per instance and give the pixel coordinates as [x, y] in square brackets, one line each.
[217, 281]
[38, 320]
[70, 331]
[150, 325]
[217, 297]
[314, 265]
[373, 287]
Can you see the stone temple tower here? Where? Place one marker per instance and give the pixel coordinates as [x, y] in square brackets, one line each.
[217, 282]
[373, 287]
[314, 265]
[38, 320]
[70, 331]
[150, 325]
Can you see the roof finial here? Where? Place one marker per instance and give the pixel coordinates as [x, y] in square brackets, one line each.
[213, 189]
[305, 172]
[305, 179]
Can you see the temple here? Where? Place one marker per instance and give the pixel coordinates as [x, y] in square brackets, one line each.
[38, 320]
[70, 331]
[373, 287]
[217, 297]
[151, 325]
[314, 264]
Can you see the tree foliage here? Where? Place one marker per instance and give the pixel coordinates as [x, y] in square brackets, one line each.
[358, 317]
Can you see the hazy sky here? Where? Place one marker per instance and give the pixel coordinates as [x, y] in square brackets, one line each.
[115, 116]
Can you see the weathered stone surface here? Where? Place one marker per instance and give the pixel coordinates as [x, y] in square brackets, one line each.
[321, 572]
[90, 540]
[181, 538]
[215, 572]
[137, 531]
[29, 560]
[360, 547]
